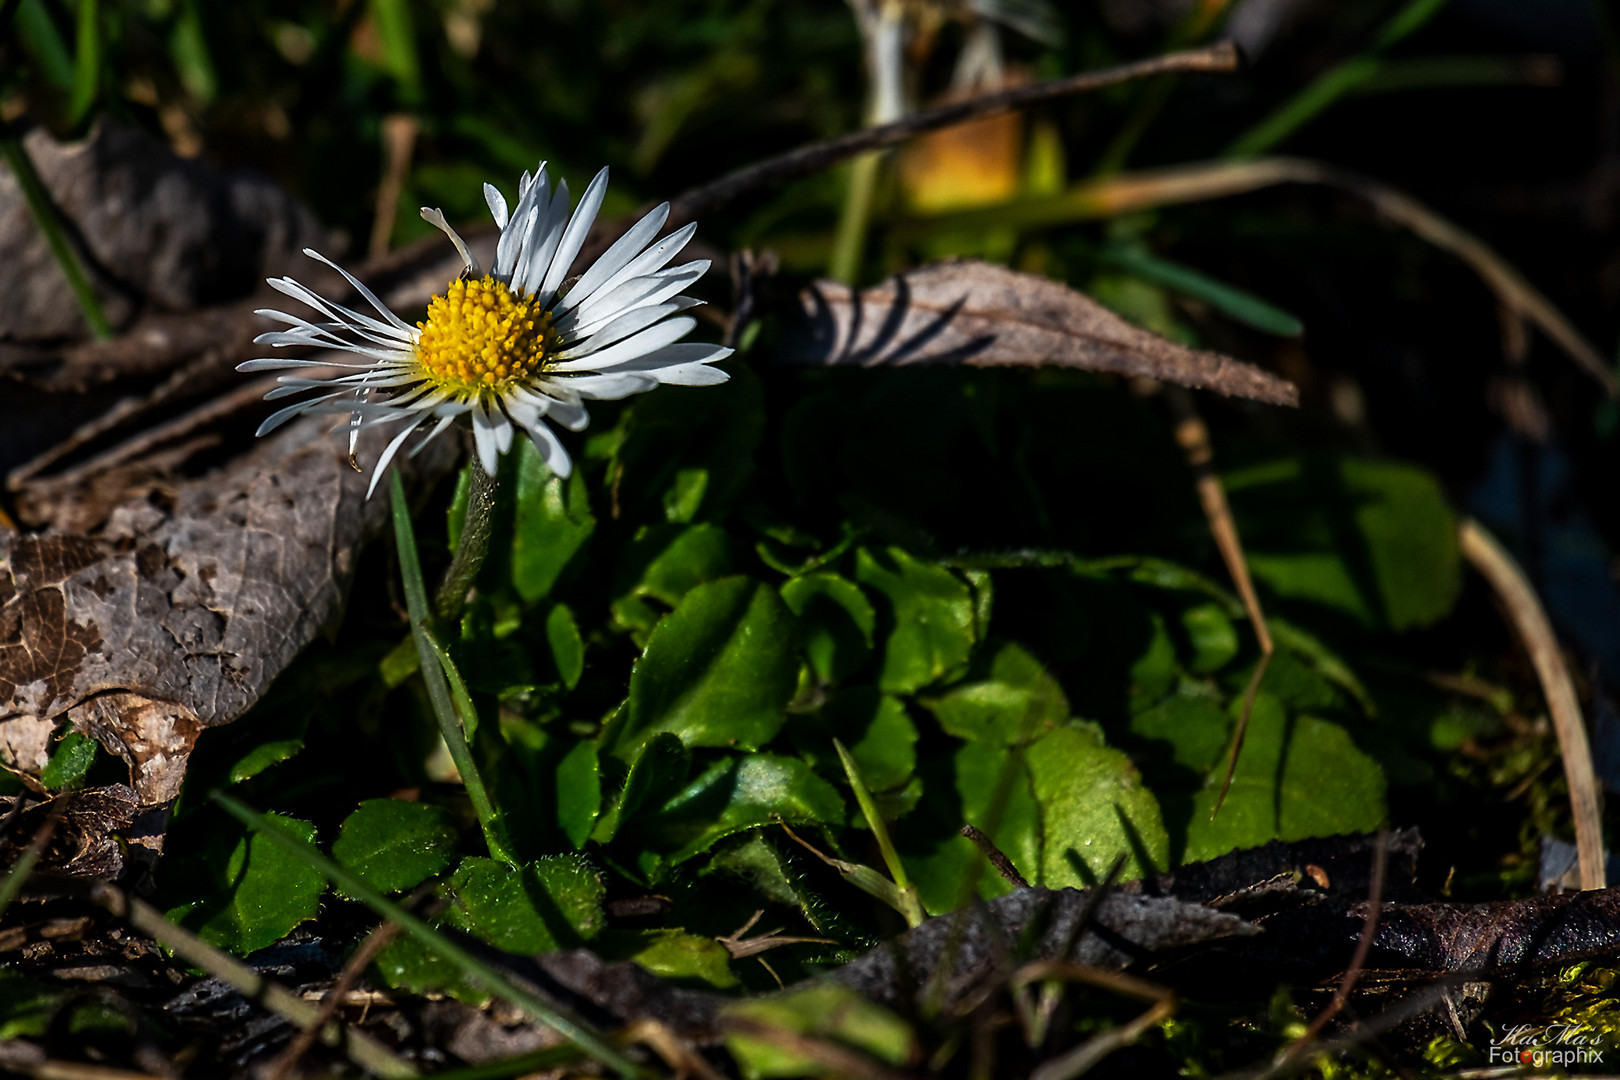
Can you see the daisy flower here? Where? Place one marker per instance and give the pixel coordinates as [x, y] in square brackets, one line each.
[516, 347]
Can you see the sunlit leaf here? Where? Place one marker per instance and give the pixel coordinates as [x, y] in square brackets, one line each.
[1299, 776]
[395, 845]
[1093, 810]
[718, 670]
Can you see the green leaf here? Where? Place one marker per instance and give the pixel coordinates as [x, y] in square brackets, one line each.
[579, 793]
[264, 755]
[658, 770]
[824, 1012]
[567, 647]
[69, 762]
[254, 891]
[394, 845]
[1210, 635]
[874, 726]
[664, 563]
[27, 1007]
[551, 522]
[718, 670]
[1093, 810]
[734, 794]
[985, 786]
[1298, 776]
[837, 622]
[1373, 540]
[1192, 730]
[1010, 701]
[931, 618]
[539, 907]
[682, 958]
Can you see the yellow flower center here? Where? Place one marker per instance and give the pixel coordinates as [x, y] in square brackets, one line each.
[480, 337]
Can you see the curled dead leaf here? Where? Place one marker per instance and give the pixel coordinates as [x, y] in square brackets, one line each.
[969, 312]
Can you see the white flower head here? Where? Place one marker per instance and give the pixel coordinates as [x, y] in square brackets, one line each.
[511, 348]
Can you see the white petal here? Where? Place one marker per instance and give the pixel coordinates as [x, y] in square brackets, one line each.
[281, 416]
[616, 258]
[444, 422]
[390, 450]
[631, 293]
[497, 204]
[531, 193]
[279, 363]
[678, 355]
[654, 337]
[690, 375]
[370, 296]
[648, 262]
[435, 217]
[574, 237]
[632, 321]
[486, 439]
[551, 451]
[545, 236]
[611, 386]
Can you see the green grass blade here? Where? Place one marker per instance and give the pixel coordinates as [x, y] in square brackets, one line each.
[86, 61]
[485, 975]
[397, 34]
[44, 44]
[435, 663]
[1243, 306]
[907, 901]
[44, 214]
[1332, 84]
[459, 697]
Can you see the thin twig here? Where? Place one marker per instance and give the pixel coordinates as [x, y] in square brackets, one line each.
[1108, 197]
[375, 943]
[1530, 621]
[998, 858]
[360, 1048]
[703, 200]
[1192, 435]
[1358, 959]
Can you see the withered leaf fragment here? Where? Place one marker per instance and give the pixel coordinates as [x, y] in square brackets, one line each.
[176, 616]
[969, 312]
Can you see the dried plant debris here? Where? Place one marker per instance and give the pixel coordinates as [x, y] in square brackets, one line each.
[969, 312]
[178, 613]
[156, 230]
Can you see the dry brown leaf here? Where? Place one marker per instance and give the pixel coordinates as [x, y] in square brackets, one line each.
[970, 312]
[176, 616]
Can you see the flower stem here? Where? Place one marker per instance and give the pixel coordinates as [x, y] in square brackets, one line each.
[472, 547]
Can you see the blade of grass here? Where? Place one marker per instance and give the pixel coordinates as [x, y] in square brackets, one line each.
[911, 903]
[44, 215]
[45, 44]
[1111, 196]
[360, 1048]
[471, 967]
[435, 663]
[1332, 84]
[86, 62]
[1243, 306]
